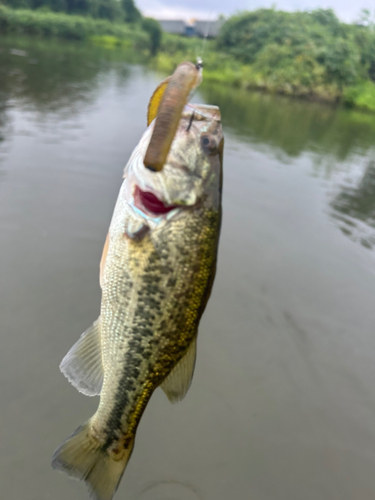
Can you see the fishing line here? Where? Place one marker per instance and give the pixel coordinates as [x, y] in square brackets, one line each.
[198, 56]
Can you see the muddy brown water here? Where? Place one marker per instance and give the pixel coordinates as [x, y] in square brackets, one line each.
[282, 406]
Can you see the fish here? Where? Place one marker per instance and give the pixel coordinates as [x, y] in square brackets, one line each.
[156, 275]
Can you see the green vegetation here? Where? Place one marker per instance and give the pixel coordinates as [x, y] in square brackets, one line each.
[311, 55]
[152, 27]
[303, 49]
[132, 14]
[145, 35]
[67, 26]
[305, 54]
[361, 95]
[104, 9]
[107, 22]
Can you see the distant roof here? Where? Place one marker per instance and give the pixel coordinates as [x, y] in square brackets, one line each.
[201, 27]
[173, 25]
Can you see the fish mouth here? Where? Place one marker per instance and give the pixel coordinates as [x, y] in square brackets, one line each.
[149, 203]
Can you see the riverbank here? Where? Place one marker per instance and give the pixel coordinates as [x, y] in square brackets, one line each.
[224, 69]
[52, 24]
[302, 77]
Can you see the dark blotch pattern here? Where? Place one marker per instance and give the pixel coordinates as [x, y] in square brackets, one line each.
[169, 274]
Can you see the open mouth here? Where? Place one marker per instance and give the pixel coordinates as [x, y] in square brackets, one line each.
[148, 202]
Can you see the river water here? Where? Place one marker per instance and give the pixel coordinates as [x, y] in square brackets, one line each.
[282, 406]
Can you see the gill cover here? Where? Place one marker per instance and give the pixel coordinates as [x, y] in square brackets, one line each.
[167, 104]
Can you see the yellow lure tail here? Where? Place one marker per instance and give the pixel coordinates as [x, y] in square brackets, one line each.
[153, 105]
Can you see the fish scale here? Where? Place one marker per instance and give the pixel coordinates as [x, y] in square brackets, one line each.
[171, 330]
[156, 275]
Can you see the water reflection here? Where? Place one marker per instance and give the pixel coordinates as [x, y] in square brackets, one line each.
[55, 76]
[333, 142]
[292, 126]
[355, 204]
[46, 85]
[3, 118]
[45, 78]
[4, 129]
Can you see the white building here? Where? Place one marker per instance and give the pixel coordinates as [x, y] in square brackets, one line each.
[194, 28]
[177, 27]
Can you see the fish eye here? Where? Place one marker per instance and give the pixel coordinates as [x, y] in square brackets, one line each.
[209, 144]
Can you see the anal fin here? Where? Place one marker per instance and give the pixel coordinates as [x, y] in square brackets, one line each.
[178, 381]
[82, 366]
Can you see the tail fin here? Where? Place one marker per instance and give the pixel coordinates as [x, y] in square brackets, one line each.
[81, 456]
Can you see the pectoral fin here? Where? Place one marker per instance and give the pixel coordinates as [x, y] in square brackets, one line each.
[103, 259]
[178, 381]
[82, 366]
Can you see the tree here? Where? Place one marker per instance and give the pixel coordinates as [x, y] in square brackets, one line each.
[301, 48]
[132, 14]
[110, 9]
[153, 28]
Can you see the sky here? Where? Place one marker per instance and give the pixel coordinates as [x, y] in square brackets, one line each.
[347, 10]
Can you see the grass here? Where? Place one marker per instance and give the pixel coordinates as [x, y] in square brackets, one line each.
[111, 42]
[361, 96]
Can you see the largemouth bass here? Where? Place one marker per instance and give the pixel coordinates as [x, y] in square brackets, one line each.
[156, 275]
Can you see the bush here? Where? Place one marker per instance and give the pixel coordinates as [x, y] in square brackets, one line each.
[68, 26]
[301, 48]
[104, 9]
[361, 95]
